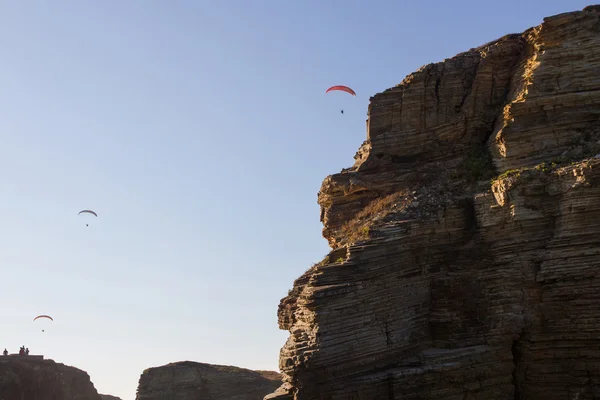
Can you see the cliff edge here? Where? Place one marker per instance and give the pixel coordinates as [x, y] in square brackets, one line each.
[23, 378]
[466, 237]
[186, 380]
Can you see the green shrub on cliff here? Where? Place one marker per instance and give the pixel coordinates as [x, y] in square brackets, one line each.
[477, 165]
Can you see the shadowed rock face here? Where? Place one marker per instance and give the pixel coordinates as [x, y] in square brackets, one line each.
[466, 237]
[188, 380]
[31, 379]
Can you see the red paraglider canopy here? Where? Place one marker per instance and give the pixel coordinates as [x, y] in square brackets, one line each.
[43, 316]
[342, 88]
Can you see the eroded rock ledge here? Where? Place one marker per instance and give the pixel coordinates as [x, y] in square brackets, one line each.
[187, 380]
[466, 237]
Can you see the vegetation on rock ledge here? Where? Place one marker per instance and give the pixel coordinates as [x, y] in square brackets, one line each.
[359, 228]
[477, 165]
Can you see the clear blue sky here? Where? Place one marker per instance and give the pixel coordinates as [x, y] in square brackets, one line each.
[200, 133]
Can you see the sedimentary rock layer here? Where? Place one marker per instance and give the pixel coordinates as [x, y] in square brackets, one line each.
[466, 237]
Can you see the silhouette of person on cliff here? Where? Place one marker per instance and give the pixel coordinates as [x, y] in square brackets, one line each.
[5, 352]
[22, 351]
[27, 351]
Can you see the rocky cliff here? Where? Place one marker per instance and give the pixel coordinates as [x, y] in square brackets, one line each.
[465, 239]
[188, 380]
[23, 378]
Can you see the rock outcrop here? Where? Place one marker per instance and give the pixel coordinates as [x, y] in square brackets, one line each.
[29, 378]
[188, 380]
[465, 239]
[109, 397]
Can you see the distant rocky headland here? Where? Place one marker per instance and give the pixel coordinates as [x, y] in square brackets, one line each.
[188, 380]
[109, 397]
[33, 378]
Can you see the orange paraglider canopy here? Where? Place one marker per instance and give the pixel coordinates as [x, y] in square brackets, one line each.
[342, 88]
[43, 316]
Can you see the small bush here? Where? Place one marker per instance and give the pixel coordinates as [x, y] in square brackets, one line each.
[511, 172]
[477, 165]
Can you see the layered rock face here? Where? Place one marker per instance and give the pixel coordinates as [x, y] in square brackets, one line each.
[188, 380]
[465, 239]
[33, 379]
